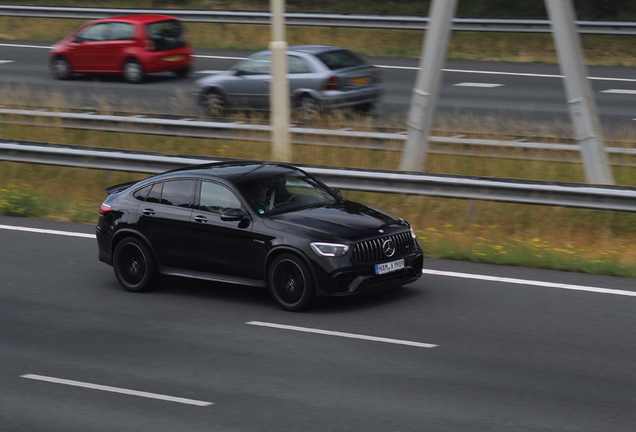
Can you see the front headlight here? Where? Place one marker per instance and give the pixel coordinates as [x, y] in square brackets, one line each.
[329, 249]
[413, 233]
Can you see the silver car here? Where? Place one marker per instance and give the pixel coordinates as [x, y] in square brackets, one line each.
[320, 77]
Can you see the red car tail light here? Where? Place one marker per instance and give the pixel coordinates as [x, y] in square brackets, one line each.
[331, 83]
[105, 209]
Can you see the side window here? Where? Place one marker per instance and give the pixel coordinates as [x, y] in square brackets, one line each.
[142, 193]
[96, 33]
[178, 193]
[121, 31]
[296, 65]
[216, 198]
[258, 66]
[155, 193]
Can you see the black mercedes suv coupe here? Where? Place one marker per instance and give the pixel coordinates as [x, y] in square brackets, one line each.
[264, 224]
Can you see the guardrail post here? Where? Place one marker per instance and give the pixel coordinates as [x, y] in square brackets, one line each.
[582, 105]
[428, 82]
[279, 87]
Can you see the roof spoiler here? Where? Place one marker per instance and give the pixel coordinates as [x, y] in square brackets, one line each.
[120, 187]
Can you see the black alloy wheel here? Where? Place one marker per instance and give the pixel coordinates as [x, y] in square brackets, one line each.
[291, 283]
[134, 266]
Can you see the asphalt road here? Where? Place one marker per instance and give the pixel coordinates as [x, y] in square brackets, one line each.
[509, 355]
[509, 92]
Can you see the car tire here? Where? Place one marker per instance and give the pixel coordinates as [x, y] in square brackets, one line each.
[213, 104]
[61, 68]
[182, 73]
[307, 108]
[291, 283]
[133, 72]
[135, 268]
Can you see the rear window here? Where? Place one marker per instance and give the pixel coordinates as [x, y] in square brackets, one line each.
[341, 59]
[166, 35]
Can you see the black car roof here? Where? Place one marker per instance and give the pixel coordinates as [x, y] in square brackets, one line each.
[234, 171]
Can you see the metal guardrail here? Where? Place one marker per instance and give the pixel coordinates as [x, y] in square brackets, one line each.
[402, 22]
[614, 198]
[568, 153]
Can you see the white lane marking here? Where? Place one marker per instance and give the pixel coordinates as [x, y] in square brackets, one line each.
[340, 334]
[391, 67]
[26, 46]
[46, 231]
[508, 73]
[220, 57]
[117, 390]
[619, 91]
[424, 271]
[474, 84]
[6, 61]
[209, 71]
[531, 282]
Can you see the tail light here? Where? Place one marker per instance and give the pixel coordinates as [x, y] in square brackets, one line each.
[331, 83]
[104, 210]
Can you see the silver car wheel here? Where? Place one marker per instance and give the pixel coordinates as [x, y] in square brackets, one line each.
[133, 72]
[61, 69]
[307, 108]
[213, 104]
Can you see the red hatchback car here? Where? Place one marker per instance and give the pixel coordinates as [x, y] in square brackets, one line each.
[132, 45]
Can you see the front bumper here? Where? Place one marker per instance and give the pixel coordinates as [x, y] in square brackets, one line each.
[361, 278]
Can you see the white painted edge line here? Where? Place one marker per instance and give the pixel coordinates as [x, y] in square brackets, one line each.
[116, 390]
[25, 46]
[341, 334]
[508, 73]
[530, 282]
[619, 91]
[424, 271]
[46, 231]
[6, 61]
[220, 57]
[475, 84]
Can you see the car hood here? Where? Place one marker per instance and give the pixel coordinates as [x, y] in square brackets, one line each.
[345, 221]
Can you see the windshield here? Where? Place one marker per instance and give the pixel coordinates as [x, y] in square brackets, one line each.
[282, 193]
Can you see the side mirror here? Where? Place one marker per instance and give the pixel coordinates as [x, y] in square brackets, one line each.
[233, 215]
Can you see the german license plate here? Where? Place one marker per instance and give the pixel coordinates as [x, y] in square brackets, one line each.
[359, 81]
[389, 267]
[174, 58]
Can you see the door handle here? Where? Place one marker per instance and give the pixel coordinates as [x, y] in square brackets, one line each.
[201, 219]
[148, 212]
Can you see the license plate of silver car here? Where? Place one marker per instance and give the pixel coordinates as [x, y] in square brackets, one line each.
[389, 267]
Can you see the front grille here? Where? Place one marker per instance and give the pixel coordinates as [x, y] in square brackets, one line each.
[371, 250]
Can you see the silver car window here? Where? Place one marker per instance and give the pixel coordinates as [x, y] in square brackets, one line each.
[257, 66]
[297, 65]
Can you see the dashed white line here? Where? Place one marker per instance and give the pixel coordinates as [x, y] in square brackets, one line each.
[480, 85]
[6, 61]
[530, 282]
[619, 91]
[46, 231]
[341, 334]
[116, 390]
[210, 72]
